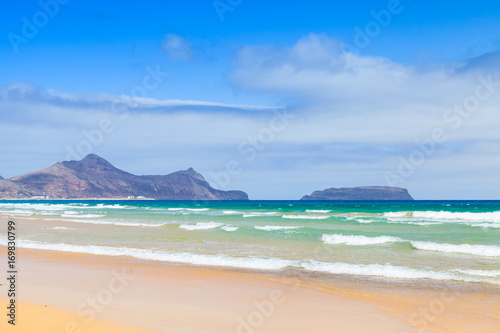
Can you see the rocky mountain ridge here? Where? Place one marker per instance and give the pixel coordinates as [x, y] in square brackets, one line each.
[94, 177]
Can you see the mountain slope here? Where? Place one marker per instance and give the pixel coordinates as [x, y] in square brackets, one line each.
[361, 193]
[94, 177]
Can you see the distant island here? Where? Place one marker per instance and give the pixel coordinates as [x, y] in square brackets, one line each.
[95, 178]
[361, 193]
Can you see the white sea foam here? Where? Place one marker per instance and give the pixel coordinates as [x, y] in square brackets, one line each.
[62, 228]
[480, 250]
[479, 272]
[386, 270]
[265, 263]
[133, 224]
[35, 206]
[275, 227]
[17, 212]
[63, 210]
[231, 212]
[200, 226]
[115, 206]
[229, 228]
[317, 211]
[257, 214]
[83, 216]
[306, 217]
[447, 216]
[358, 240]
[359, 220]
[410, 221]
[109, 222]
[186, 258]
[467, 216]
[423, 223]
[485, 225]
[397, 214]
[356, 215]
[188, 210]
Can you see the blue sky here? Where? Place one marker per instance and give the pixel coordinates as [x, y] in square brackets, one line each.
[358, 104]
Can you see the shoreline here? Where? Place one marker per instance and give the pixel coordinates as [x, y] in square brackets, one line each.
[197, 298]
[211, 299]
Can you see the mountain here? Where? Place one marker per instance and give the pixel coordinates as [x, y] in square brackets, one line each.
[361, 193]
[94, 177]
[1, 178]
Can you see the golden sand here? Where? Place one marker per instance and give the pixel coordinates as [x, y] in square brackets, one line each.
[38, 318]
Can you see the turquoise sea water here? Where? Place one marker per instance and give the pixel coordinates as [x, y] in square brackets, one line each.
[408, 241]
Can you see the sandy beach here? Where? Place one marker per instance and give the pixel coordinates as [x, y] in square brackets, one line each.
[61, 292]
[233, 166]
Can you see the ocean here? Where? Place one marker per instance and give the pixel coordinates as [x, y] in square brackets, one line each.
[417, 241]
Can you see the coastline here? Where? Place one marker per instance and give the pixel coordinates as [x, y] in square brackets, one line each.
[162, 297]
[170, 298]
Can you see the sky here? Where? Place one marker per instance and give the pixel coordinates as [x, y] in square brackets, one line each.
[277, 99]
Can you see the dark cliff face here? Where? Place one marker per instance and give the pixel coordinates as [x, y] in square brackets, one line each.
[361, 193]
[94, 177]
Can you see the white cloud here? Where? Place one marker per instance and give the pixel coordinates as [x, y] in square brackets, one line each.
[177, 48]
[349, 97]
